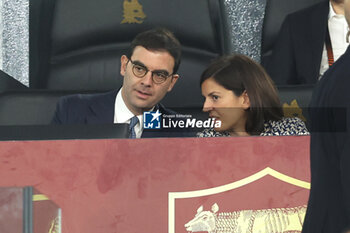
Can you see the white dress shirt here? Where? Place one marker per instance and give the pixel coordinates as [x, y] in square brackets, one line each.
[338, 29]
[123, 115]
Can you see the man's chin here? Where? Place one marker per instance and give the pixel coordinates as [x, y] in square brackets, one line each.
[145, 108]
[140, 104]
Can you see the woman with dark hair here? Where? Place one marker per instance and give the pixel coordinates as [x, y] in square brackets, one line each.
[239, 93]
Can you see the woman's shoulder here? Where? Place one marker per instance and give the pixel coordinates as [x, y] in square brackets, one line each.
[211, 133]
[285, 126]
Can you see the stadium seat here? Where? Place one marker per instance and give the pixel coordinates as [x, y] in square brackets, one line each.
[8, 83]
[295, 100]
[81, 42]
[29, 107]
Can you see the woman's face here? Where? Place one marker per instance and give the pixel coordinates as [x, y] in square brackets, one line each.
[222, 104]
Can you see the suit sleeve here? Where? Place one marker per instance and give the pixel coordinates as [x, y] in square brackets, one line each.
[61, 112]
[281, 67]
[344, 163]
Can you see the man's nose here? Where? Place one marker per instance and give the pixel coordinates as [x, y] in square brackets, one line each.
[147, 79]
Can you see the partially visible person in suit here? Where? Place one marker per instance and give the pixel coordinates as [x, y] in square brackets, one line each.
[310, 40]
[239, 93]
[149, 72]
[329, 201]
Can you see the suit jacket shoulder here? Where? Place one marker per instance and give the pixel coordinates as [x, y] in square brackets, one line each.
[329, 149]
[85, 109]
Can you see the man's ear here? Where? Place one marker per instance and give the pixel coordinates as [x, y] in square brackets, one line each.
[123, 62]
[245, 100]
[173, 81]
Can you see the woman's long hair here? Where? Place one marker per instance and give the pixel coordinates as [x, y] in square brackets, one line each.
[239, 73]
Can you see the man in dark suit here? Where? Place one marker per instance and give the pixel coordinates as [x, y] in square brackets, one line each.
[149, 72]
[300, 55]
[329, 202]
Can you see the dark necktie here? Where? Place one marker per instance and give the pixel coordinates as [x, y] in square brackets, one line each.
[133, 122]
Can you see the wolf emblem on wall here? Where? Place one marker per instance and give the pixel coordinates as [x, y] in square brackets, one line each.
[133, 12]
[281, 220]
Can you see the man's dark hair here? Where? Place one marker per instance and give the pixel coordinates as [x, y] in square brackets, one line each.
[159, 39]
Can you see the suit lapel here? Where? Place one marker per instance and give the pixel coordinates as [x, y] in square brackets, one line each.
[102, 109]
[319, 22]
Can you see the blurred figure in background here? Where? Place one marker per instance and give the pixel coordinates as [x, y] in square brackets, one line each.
[329, 202]
[310, 40]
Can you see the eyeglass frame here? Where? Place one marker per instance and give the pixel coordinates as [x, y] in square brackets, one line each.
[147, 70]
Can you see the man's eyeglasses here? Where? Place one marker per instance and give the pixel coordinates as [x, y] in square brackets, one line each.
[158, 76]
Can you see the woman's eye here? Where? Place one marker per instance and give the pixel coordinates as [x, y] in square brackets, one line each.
[215, 97]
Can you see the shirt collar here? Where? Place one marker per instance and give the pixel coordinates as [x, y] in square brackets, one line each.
[121, 113]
